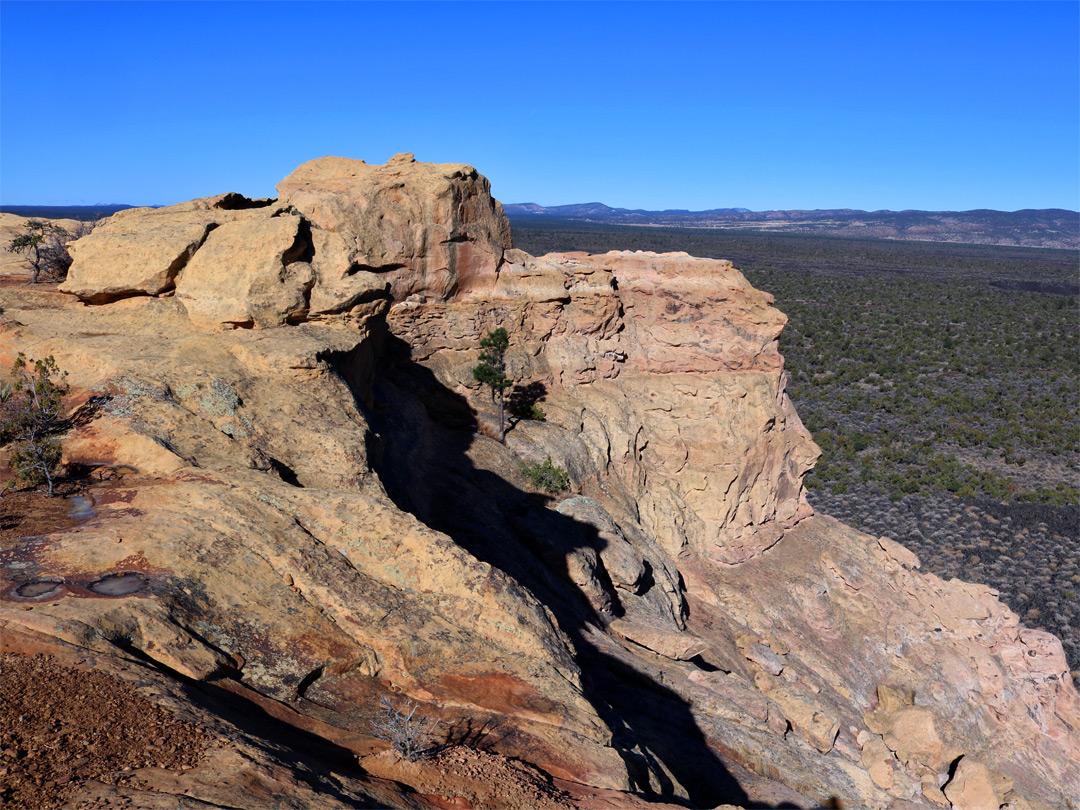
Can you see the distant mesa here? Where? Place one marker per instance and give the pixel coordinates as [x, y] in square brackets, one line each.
[1044, 227]
[81, 212]
[319, 520]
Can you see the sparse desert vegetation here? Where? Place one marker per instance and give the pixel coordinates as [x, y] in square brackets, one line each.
[942, 383]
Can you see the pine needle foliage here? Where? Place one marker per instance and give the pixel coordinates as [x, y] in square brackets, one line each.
[491, 371]
[547, 476]
[30, 418]
[45, 245]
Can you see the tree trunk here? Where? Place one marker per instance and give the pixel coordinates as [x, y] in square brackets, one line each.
[502, 415]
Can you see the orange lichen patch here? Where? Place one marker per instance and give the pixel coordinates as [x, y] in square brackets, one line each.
[495, 691]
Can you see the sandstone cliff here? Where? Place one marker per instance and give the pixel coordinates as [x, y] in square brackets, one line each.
[304, 509]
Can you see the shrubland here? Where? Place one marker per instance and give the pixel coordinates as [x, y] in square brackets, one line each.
[920, 368]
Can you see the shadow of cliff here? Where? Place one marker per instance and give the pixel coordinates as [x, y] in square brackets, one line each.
[307, 757]
[422, 435]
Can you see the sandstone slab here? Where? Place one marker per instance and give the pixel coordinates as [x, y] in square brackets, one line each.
[248, 273]
[432, 230]
[972, 787]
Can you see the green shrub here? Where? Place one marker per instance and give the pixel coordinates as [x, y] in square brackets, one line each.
[31, 416]
[546, 476]
[534, 412]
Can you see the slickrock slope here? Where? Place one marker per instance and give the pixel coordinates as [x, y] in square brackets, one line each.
[304, 510]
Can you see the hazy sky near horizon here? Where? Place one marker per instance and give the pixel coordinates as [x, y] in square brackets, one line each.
[876, 105]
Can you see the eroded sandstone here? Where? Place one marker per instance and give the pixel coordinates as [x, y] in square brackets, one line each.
[315, 514]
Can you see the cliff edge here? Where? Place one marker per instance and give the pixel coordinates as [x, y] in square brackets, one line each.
[293, 501]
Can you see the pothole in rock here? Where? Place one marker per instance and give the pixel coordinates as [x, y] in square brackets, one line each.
[122, 584]
[38, 587]
[81, 508]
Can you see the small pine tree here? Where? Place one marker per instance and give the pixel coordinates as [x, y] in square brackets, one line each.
[46, 248]
[492, 371]
[34, 244]
[31, 417]
[546, 476]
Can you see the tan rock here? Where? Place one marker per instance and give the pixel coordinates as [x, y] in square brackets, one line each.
[431, 230]
[299, 539]
[136, 255]
[248, 273]
[339, 285]
[878, 761]
[913, 736]
[140, 251]
[621, 561]
[972, 787]
[892, 698]
[765, 658]
[670, 644]
[932, 792]
[898, 553]
[809, 716]
[112, 442]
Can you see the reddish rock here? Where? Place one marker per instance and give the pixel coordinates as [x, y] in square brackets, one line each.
[310, 511]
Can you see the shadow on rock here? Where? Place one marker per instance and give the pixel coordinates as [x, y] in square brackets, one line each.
[423, 437]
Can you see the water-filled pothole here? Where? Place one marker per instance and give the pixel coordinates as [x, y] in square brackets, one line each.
[122, 584]
[81, 508]
[35, 588]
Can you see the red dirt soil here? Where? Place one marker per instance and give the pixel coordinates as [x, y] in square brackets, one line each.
[60, 727]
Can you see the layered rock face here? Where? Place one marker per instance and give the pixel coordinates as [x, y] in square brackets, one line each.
[311, 508]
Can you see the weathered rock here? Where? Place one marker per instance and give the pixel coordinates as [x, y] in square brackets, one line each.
[893, 698]
[971, 787]
[761, 655]
[431, 230]
[119, 260]
[650, 383]
[339, 285]
[670, 644]
[811, 717]
[308, 507]
[878, 761]
[622, 561]
[248, 273]
[140, 251]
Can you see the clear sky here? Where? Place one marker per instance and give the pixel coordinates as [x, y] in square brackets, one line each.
[930, 105]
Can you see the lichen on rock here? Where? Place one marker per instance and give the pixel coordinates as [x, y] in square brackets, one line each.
[280, 393]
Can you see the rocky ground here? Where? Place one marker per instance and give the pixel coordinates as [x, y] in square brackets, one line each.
[81, 739]
[62, 727]
[308, 520]
[1029, 552]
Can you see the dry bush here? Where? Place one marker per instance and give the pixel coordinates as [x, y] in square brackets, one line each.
[413, 737]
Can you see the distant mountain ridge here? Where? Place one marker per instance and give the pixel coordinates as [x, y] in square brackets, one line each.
[84, 212]
[1043, 227]
[1029, 227]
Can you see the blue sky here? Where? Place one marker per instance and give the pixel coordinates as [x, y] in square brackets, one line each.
[760, 105]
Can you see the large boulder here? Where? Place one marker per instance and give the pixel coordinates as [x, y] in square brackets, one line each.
[431, 229]
[309, 510]
[140, 251]
[249, 273]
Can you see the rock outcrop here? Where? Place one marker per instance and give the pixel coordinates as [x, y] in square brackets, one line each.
[303, 505]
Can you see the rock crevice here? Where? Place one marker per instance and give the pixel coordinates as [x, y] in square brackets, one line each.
[317, 500]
